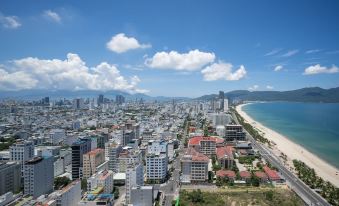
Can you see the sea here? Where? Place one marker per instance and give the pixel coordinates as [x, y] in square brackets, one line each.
[314, 126]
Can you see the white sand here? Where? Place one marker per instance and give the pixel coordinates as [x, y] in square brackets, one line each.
[295, 151]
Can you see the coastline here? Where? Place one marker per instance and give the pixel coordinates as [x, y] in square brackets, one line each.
[293, 150]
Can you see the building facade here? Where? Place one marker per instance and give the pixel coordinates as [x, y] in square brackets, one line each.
[38, 176]
[10, 177]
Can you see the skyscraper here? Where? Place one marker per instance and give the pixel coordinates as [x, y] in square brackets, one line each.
[119, 99]
[100, 99]
[221, 100]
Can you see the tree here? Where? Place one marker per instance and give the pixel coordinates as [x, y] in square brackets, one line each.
[60, 182]
[269, 195]
[84, 184]
[197, 196]
[210, 176]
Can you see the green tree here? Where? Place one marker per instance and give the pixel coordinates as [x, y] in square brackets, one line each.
[84, 184]
[60, 182]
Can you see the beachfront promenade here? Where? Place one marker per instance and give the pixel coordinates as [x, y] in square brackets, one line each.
[305, 192]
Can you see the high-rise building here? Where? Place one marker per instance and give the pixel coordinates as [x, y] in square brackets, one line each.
[235, 133]
[194, 166]
[157, 147]
[134, 177]
[221, 95]
[129, 156]
[79, 148]
[119, 99]
[100, 99]
[156, 167]
[38, 176]
[21, 151]
[225, 105]
[10, 177]
[221, 100]
[127, 136]
[91, 160]
[112, 151]
[78, 103]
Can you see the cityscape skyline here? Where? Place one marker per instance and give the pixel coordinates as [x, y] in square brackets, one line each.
[187, 50]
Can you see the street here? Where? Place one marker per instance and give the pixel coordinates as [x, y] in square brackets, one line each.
[309, 196]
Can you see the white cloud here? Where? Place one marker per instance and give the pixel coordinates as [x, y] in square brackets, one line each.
[223, 71]
[273, 52]
[69, 74]
[269, 87]
[10, 22]
[253, 88]
[52, 16]
[312, 51]
[290, 53]
[121, 43]
[317, 69]
[191, 61]
[278, 68]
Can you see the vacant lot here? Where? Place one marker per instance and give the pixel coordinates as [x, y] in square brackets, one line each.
[270, 197]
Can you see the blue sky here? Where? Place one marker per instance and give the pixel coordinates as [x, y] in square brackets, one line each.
[172, 48]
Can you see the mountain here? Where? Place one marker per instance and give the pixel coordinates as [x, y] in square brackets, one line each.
[58, 94]
[310, 94]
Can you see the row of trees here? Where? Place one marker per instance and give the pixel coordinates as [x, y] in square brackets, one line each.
[253, 132]
[308, 175]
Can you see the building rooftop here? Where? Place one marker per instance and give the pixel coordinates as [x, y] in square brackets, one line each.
[223, 151]
[226, 173]
[196, 140]
[272, 174]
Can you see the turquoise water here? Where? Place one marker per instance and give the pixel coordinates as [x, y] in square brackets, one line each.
[315, 126]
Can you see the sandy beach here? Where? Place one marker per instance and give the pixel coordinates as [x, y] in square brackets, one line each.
[294, 151]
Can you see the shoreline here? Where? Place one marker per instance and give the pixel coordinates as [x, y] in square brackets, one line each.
[293, 150]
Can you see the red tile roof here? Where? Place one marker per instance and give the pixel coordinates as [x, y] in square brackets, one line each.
[272, 174]
[222, 151]
[260, 175]
[226, 173]
[196, 140]
[196, 156]
[245, 174]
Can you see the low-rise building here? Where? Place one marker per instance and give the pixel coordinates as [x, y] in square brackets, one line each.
[226, 173]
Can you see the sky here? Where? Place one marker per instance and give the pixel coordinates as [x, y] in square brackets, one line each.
[169, 48]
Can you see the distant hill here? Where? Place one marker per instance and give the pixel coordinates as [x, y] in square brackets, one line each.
[57, 94]
[311, 94]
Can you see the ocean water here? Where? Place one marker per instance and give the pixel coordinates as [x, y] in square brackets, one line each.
[315, 126]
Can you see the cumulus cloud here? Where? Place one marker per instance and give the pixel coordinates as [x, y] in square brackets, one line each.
[290, 53]
[9, 22]
[51, 15]
[120, 43]
[191, 61]
[253, 88]
[278, 68]
[223, 71]
[269, 87]
[69, 74]
[317, 69]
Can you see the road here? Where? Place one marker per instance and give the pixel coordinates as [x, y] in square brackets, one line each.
[309, 196]
[172, 187]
